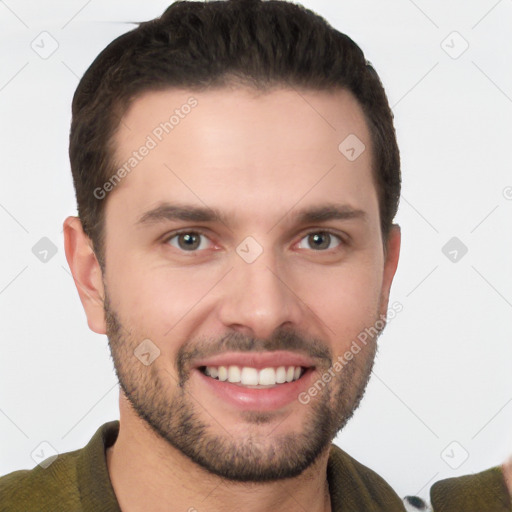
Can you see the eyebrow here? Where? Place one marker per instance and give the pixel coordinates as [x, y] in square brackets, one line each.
[320, 213]
[167, 211]
[329, 212]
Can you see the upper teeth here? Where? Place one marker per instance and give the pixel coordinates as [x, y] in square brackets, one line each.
[253, 377]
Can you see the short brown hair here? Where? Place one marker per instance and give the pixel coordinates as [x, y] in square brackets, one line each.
[200, 45]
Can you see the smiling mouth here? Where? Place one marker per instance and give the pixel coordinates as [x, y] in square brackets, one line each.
[247, 376]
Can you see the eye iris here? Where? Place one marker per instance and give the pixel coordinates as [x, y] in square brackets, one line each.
[189, 241]
[320, 240]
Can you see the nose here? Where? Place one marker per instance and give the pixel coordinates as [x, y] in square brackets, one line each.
[258, 298]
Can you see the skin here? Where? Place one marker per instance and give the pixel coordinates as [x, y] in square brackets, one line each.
[507, 473]
[259, 159]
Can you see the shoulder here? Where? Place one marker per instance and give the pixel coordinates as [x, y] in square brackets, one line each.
[48, 488]
[73, 481]
[353, 481]
[481, 491]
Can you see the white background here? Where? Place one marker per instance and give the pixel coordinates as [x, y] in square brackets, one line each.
[443, 372]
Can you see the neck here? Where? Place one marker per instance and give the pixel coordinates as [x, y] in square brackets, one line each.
[150, 475]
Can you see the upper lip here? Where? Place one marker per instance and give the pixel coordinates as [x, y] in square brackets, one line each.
[257, 360]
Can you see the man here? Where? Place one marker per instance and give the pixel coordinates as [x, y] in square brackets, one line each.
[237, 176]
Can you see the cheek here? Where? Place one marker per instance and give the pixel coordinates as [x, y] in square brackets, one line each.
[346, 299]
[155, 300]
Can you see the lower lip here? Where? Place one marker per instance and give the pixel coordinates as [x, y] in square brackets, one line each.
[263, 399]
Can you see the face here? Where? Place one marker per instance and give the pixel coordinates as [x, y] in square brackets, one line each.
[243, 258]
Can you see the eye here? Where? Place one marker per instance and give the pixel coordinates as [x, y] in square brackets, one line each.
[320, 241]
[189, 241]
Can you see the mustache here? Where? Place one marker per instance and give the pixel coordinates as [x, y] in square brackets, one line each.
[281, 339]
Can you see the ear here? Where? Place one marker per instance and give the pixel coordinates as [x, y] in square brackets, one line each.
[392, 255]
[86, 273]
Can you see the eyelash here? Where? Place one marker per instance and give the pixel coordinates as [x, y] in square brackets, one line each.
[342, 240]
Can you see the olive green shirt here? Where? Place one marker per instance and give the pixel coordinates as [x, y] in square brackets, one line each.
[79, 481]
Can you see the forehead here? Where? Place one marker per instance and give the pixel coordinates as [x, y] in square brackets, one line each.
[237, 148]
